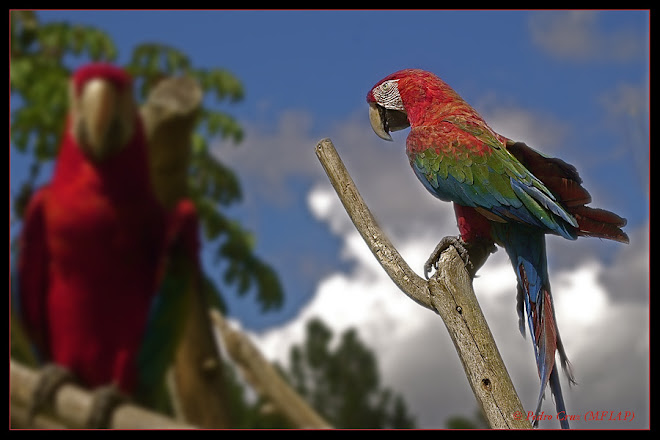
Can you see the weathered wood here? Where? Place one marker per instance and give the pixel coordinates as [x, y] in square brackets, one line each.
[454, 300]
[403, 276]
[449, 293]
[170, 115]
[265, 379]
[72, 406]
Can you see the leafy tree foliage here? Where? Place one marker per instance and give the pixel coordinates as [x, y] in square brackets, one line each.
[343, 383]
[463, 422]
[39, 71]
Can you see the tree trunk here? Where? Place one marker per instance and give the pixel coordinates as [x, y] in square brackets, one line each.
[170, 114]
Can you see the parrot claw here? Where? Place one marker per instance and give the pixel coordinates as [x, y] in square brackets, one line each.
[473, 253]
[51, 378]
[104, 401]
[457, 243]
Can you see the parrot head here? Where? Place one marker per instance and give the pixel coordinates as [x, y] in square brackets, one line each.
[403, 99]
[386, 110]
[103, 111]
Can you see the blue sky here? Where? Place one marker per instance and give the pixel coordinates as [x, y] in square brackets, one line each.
[573, 84]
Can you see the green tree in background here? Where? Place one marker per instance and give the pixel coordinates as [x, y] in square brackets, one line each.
[343, 383]
[478, 421]
[40, 56]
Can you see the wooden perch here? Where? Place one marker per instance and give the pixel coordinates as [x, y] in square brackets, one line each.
[265, 379]
[170, 115]
[72, 405]
[449, 293]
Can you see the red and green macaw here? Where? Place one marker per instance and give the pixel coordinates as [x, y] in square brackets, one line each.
[503, 192]
[94, 288]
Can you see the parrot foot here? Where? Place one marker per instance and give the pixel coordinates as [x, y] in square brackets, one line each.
[457, 243]
[104, 401]
[51, 378]
[473, 253]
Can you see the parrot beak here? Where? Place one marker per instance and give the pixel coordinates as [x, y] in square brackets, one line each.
[379, 121]
[104, 119]
[384, 120]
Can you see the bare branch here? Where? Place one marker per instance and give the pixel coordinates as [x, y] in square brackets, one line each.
[265, 379]
[449, 293]
[403, 276]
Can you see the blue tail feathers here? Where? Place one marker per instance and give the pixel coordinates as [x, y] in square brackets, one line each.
[526, 249]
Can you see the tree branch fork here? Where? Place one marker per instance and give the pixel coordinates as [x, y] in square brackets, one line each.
[448, 293]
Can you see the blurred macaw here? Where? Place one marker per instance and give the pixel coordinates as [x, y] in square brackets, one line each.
[503, 191]
[95, 243]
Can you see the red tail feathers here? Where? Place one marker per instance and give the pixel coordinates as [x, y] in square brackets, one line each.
[564, 181]
[596, 222]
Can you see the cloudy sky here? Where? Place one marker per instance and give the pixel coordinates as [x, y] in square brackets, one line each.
[573, 84]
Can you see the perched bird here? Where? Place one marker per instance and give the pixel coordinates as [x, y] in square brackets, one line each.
[95, 241]
[503, 191]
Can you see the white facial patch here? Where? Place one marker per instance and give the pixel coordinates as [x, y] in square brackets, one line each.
[387, 95]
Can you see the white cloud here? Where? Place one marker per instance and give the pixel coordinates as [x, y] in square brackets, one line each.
[578, 35]
[417, 357]
[271, 155]
[586, 300]
[540, 131]
[345, 300]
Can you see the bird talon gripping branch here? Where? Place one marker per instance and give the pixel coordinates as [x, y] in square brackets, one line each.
[445, 243]
[51, 378]
[104, 401]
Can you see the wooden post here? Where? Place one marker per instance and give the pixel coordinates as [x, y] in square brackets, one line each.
[170, 115]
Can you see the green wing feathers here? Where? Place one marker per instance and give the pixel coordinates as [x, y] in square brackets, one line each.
[465, 162]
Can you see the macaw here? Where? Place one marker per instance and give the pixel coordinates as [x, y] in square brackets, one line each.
[503, 192]
[95, 243]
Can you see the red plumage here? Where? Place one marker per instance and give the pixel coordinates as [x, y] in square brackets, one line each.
[92, 246]
[118, 77]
